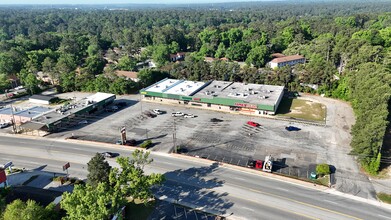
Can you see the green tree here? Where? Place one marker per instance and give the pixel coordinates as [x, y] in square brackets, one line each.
[160, 54]
[29, 210]
[94, 65]
[127, 63]
[98, 170]
[4, 82]
[322, 169]
[89, 203]
[31, 83]
[130, 180]
[68, 82]
[258, 56]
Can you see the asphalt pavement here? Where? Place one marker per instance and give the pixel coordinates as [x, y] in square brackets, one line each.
[201, 184]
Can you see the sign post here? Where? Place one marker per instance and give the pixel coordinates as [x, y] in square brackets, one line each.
[65, 167]
[123, 135]
[8, 165]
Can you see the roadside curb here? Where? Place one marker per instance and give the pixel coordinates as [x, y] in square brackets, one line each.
[290, 181]
[257, 172]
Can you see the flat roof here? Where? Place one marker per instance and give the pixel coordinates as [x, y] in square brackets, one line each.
[29, 113]
[65, 111]
[42, 97]
[251, 93]
[99, 96]
[163, 85]
[185, 88]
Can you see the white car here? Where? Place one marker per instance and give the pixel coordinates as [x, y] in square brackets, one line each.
[4, 124]
[189, 116]
[157, 111]
[177, 114]
[83, 122]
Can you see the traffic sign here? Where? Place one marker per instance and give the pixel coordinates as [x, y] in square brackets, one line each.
[5, 166]
[66, 166]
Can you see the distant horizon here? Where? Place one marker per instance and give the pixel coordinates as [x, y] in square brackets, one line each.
[122, 2]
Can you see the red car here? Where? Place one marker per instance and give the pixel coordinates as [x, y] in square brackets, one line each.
[254, 124]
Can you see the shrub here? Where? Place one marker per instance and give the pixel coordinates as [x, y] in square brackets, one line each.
[322, 169]
[146, 144]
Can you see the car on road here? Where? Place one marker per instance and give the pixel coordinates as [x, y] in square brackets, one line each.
[107, 154]
[216, 120]
[253, 124]
[177, 114]
[292, 128]
[157, 111]
[83, 122]
[4, 124]
[189, 116]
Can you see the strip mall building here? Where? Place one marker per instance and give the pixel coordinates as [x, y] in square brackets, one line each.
[217, 95]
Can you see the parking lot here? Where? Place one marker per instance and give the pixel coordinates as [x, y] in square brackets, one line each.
[229, 139]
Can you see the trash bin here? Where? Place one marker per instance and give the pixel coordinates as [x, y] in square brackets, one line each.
[313, 176]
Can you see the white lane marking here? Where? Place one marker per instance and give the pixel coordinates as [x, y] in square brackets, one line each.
[239, 178]
[332, 202]
[282, 189]
[384, 216]
[247, 208]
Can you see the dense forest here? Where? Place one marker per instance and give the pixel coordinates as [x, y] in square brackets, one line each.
[347, 46]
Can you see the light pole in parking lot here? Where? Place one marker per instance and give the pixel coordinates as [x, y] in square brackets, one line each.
[174, 136]
[141, 113]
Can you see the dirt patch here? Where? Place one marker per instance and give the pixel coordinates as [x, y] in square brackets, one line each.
[302, 109]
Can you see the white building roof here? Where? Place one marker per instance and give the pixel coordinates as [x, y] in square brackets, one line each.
[185, 88]
[163, 85]
[99, 96]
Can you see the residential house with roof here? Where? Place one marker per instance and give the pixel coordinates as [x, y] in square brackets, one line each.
[177, 57]
[286, 60]
[129, 75]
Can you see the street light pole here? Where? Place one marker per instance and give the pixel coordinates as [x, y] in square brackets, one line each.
[174, 137]
[12, 114]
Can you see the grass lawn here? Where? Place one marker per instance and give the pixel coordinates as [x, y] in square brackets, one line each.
[302, 109]
[136, 210]
[384, 197]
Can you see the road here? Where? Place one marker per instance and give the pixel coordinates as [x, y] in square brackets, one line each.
[198, 183]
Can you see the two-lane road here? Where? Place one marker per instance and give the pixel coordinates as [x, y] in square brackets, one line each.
[199, 183]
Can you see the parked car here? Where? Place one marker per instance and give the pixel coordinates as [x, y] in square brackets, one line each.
[157, 111]
[253, 124]
[121, 104]
[131, 142]
[257, 164]
[4, 124]
[292, 128]
[216, 120]
[177, 114]
[107, 154]
[149, 114]
[112, 108]
[83, 122]
[189, 116]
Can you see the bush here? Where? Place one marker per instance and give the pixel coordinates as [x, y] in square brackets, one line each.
[146, 144]
[322, 169]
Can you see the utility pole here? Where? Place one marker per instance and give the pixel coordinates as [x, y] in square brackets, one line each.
[12, 115]
[174, 137]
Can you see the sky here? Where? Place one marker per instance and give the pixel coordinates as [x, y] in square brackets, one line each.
[51, 2]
